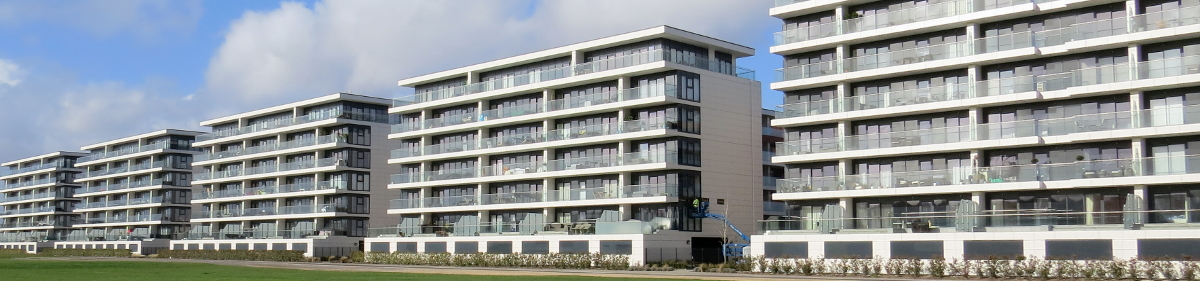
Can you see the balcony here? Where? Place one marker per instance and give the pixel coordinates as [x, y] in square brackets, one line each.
[571, 71]
[774, 207]
[1027, 220]
[1045, 128]
[605, 129]
[123, 203]
[882, 20]
[130, 168]
[1096, 169]
[257, 233]
[283, 123]
[270, 190]
[909, 56]
[299, 165]
[31, 183]
[270, 211]
[132, 150]
[298, 143]
[43, 166]
[124, 219]
[525, 227]
[44, 195]
[604, 161]
[83, 191]
[579, 194]
[38, 224]
[23, 211]
[638, 93]
[769, 182]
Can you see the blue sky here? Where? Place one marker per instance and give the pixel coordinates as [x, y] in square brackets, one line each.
[79, 72]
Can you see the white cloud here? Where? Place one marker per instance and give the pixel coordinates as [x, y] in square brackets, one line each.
[300, 51]
[8, 73]
[143, 18]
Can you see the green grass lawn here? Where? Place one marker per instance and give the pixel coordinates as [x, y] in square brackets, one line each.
[20, 269]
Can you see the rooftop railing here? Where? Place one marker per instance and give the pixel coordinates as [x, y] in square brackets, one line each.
[575, 70]
[135, 149]
[313, 117]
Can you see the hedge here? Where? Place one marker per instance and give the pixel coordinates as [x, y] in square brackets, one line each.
[245, 255]
[12, 252]
[86, 253]
[553, 260]
[1019, 268]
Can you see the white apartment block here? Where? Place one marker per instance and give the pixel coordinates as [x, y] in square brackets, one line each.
[135, 192]
[600, 146]
[973, 128]
[309, 176]
[37, 200]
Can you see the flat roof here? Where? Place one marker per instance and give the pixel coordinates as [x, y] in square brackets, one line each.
[43, 156]
[668, 32]
[142, 136]
[289, 106]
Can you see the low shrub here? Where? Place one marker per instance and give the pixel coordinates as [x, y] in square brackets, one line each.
[12, 253]
[233, 255]
[552, 260]
[991, 268]
[123, 253]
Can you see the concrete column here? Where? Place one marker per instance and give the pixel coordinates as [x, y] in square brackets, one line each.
[847, 205]
[1138, 146]
[479, 191]
[843, 94]
[840, 57]
[549, 213]
[626, 211]
[577, 57]
[472, 77]
[426, 192]
[974, 118]
[843, 131]
[839, 13]
[1131, 9]
[547, 96]
[484, 216]
[979, 198]
[973, 82]
[1143, 193]
[1135, 56]
[977, 158]
[973, 31]
[1135, 104]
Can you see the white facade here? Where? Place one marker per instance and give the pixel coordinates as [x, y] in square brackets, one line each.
[1068, 126]
[304, 171]
[38, 198]
[605, 141]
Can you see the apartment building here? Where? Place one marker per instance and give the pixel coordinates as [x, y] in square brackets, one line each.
[308, 176]
[135, 192]
[976, 128]
[601, 146]
[37, 200]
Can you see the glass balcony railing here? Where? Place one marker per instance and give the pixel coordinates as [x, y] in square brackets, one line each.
[30, 168]
[525, 227]
[270, 148]
[132, 150]
[1023, 220]
[271, 211]
[774, 207]
[314, 117]
[858, 23]
[554, 105]
[910, 56]
[129, 168]
[575, 70]
[787, 2]
[603, 161]
[42, 195]
[124, 219]
[604, 129]
[265, 190]
[1094, 169]
[121, 202]
[31, 183]
[42, 209]
[1169, 67]
[772, 131]
[574, 194]
[299, 165]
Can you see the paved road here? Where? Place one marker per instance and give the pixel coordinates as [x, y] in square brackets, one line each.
[678, 274]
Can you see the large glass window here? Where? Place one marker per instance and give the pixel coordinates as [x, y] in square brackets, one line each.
[925, 170]
[946, 127]
[1059, 207]
[1175, 204]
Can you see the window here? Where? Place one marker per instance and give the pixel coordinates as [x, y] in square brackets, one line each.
[946, 127]
[680, 84]
[924, 170]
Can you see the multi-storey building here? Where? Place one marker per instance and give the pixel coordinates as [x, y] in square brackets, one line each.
[309, 176]
[135, 192]
[975, 128]
[38, 200]
[591, 147]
